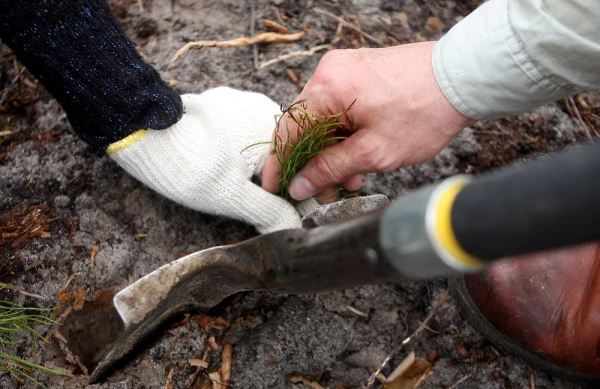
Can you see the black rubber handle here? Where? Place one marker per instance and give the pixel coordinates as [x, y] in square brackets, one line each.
[551, 202]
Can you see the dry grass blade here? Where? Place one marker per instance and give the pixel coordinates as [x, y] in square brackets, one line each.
[350, 26]
[263, 37]
[313, 133]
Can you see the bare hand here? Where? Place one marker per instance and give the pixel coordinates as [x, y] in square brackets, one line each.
[401, 117]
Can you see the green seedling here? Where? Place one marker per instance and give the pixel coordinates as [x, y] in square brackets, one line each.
[16, 323]
[313, 132]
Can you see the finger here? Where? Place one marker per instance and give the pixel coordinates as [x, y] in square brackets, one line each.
[354, 183]
[327, 196]
[270, 173]
[340, 163]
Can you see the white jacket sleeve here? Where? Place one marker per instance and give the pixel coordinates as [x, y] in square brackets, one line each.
[510, 56]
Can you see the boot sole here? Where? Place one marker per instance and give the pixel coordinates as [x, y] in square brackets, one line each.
[476, 319]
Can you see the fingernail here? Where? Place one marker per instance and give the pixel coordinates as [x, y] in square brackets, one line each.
[301, 188]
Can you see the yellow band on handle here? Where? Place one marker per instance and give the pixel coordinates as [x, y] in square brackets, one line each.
[443, 227]
[126, 142]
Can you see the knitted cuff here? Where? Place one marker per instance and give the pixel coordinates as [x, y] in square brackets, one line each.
[80, 53]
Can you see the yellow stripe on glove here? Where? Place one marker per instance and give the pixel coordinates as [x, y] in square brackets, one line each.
[117, 146]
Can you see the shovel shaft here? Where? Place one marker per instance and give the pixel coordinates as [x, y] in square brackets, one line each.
[545, 204]
[462, 224]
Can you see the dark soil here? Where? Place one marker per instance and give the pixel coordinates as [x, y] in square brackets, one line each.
[75, 228]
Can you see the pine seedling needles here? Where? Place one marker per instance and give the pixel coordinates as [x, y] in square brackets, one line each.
[16, 322]
[313, 133]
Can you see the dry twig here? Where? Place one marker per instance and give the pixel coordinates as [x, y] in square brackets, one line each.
[212, 344]
[63, 316]
[575, 111]
[15, 288]
[225, 369]
[350, 26]
[305, 53]
[93, 252]
[169, 381]
[252, 29]
[274, 26]
[11, 85]
[405, 341]
[198, 363]
[69, 280]
[263, 37]
[216, 380]
[462, 380]
[431, 330]
[338, 33]
[293, 77]
[69, 356]
[361, 33]
[356, 311]
[531, 378]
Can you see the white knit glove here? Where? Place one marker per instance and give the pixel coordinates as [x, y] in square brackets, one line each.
[198, 162]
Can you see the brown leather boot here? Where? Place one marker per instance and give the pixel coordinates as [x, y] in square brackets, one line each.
[544, 308]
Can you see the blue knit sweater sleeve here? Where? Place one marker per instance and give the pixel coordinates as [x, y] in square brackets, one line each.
[80, 53]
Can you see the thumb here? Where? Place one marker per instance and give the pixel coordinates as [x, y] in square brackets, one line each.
[336, 165]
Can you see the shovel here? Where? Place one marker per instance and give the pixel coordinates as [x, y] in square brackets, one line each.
[458, 225]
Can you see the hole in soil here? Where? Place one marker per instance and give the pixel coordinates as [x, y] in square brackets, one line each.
[92, 329]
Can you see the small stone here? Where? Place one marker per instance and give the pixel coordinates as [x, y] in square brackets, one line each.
[366, 358]
[62, 201]
[434, 24]
[401, 16]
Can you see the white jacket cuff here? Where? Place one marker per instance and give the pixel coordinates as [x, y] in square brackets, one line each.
[510, 56]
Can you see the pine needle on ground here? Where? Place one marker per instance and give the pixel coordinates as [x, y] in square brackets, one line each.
[16, 322]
